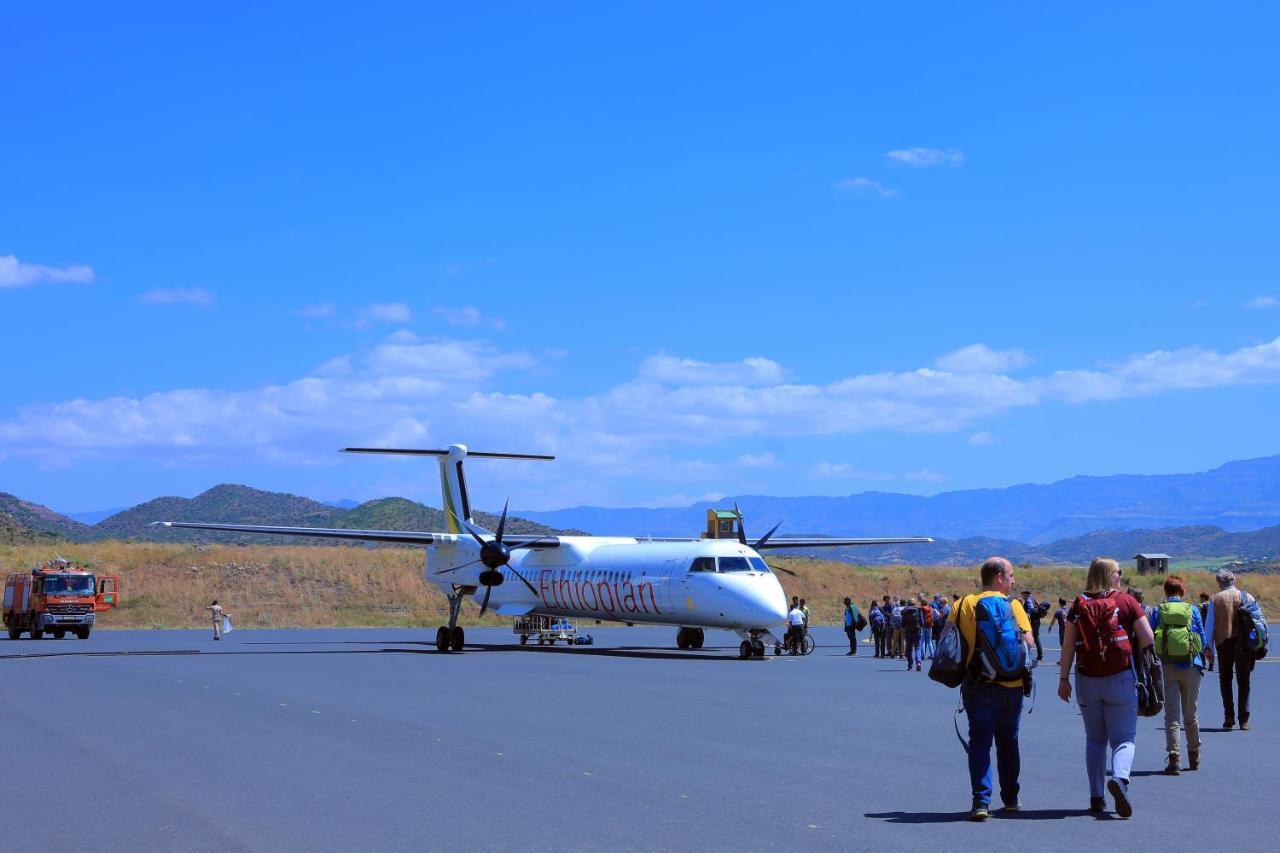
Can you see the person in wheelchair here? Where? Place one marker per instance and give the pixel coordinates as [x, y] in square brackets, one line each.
[794, 641]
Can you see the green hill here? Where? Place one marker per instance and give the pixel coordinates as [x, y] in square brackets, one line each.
[38, 522]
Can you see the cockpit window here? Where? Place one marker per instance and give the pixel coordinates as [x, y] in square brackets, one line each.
[759, 565]
[703, 564]
[734, 564]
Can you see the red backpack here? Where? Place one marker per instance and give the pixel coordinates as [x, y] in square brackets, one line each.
[928, 615]
[1102, 644]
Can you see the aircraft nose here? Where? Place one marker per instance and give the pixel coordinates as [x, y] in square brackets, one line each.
[767, 603]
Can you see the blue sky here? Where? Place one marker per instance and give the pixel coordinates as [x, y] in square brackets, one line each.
[694, 250]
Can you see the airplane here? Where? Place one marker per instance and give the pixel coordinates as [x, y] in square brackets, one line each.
[692, 584]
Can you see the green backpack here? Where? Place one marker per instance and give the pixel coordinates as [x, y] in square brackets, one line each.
[1175, 641]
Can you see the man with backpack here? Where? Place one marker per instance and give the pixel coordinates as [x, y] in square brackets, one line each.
[878, 628]
[928, 617]
[995, 634]
[895, 626]
[853, 623]
[1236, 656]
[1180, 641]
[1035, 613]
[912, 621]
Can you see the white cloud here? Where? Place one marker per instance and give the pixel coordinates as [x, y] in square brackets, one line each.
[16, 273]
[467, 316]
[1263, 302]
[863, 186]
[923, 158]
[979, 358]
[319, 311]
[981, 439]
[830, 470]
[388, 312]
[687, 371]
[757, 460]
[925, 475]
[178, 296]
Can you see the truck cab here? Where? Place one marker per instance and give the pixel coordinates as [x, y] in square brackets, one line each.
[57, 597]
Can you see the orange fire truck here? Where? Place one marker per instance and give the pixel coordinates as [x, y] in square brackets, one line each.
[57, 597]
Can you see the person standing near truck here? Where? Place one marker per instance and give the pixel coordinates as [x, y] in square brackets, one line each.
[218, 614]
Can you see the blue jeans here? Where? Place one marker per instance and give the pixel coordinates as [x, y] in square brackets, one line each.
[994, 715]
[926, 644]
[1109, 706]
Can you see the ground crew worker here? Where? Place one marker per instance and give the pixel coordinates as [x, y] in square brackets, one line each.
[218, 614]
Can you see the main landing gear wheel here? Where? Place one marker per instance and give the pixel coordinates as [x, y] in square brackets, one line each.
[456, 638]
[690, 638]
[442, 639]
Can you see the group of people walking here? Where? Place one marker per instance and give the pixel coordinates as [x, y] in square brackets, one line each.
[1105, 632]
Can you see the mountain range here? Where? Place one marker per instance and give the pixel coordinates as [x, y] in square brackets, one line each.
[1231, 511]
[1237, 496]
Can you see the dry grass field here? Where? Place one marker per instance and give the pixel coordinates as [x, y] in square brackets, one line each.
[168, 585]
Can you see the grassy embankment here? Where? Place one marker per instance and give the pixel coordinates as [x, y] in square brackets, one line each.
[168, 585]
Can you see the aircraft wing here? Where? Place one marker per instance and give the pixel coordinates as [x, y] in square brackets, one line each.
[407, 537]
[831, 542]
[402, 537]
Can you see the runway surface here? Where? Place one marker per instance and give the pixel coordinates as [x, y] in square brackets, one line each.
[347, 740]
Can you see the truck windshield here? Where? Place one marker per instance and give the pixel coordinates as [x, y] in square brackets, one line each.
[68, 585]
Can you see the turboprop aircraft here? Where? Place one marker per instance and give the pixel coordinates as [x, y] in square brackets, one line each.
[693, 584]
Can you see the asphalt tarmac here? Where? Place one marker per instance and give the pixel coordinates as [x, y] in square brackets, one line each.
[346, 740]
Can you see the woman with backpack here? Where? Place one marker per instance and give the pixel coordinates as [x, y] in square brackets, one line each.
[1180, 643]
[1101, 627]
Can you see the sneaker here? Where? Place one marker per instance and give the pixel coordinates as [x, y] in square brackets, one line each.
[1097, 804]
[846, 654]
[1171, 767]
[1244, 725]
[1194, 756]
[979, 813]
[1229, 723]
[918, 669]
[1120, 793]
[1015, 806]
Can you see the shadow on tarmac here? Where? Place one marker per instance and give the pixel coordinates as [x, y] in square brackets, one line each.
[996, 814]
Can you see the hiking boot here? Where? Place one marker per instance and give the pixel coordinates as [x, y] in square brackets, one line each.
[1244, 725]
[1171, 767]
[979, 813]
[1194, 756]
[1119, 789]
[1097, 804]
[1229, 723]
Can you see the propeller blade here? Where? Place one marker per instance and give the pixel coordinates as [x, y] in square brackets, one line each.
[780, 569]
[742, 533]
[765, 538]
[532, 542]
[525, 582]
[464, 526]
[455, 568]
[484, 605]
[502, 522]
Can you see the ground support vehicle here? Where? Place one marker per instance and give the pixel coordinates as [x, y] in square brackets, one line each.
[545, 629]
[57, 597]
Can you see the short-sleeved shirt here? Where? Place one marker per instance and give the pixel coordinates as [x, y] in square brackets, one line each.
[965, 617]
[795, 617]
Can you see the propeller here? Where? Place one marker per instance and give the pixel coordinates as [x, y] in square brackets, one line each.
[495, 554]
[742, 537]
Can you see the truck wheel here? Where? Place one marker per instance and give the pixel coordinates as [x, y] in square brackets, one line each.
[83, 633]
[14, 632]
[58, 635]
[524, 639]
[37, 633]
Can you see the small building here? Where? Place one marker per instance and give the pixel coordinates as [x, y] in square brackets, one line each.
[1152, 563]
[721, 524]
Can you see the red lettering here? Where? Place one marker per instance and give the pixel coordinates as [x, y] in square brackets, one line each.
[542, 585]
[640, 590]
[605, 588]
[587, 587]
[629, 598]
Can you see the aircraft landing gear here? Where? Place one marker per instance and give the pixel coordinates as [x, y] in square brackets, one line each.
[751, 649]
[451, 638]
[690, 638]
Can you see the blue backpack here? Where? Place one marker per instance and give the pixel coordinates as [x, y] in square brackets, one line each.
[895, 618]
[1001, 654]
[1252, 630]
[877, 617]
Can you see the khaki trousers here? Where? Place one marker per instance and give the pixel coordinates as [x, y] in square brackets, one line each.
[217, 629]
[1181, 699]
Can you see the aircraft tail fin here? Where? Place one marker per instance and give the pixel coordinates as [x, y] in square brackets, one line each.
[453, 483]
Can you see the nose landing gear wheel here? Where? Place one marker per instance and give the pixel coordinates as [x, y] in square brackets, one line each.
[745, 650]
[757, 648]
[442, 639]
